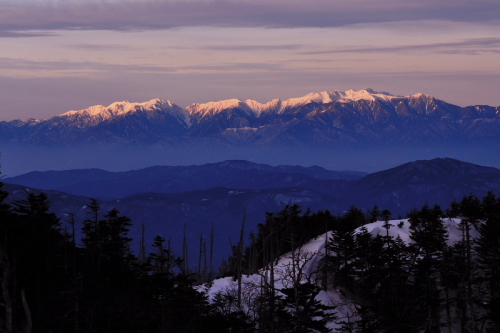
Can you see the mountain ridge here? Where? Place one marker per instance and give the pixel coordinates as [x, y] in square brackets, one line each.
[325, 118]
[103, 184]
[401, 188]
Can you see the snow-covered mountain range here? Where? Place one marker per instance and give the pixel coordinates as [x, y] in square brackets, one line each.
[320, 119]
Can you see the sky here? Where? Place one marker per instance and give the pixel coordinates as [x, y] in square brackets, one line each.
[57, 56]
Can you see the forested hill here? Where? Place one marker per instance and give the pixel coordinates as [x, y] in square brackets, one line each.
[431, 272]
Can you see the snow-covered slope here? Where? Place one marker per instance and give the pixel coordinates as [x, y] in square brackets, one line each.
[401, 228]
[99, 113]
[255, 109]
[306, 260]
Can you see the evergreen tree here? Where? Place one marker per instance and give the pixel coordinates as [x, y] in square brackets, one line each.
[374, 214]
[37, 250]
[429, 241]
[488, 250]
[471, 214]
[307, 313]
[162, 261]
[5, 263]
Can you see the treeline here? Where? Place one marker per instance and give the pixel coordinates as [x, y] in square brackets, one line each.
[285, 231]
[49, 283]
[391, 285]
[292, 307]
[425, 285]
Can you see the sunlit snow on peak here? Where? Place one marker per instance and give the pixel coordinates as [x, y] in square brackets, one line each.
[118, 108]
[249, 107]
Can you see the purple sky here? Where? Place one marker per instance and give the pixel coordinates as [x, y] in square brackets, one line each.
[57, 56]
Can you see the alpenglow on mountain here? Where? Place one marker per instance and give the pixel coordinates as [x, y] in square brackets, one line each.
[322, 119]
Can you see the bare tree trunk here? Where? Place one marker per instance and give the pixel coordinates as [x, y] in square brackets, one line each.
[9, 312]
[200, 257]
[211, 253]
[448, 313]
[29, 322]
[185, 252]
[169, 251]
[240, 257]
[142, 246]
[253, 255]
[272, 298]
[470, 298]
[204, 260]
[72, 222]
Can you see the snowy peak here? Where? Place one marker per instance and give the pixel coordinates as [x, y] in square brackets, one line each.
[336, 95]
[250, 107]
[259, 108]
[208, 109]
[119, 108]
[99, 113]
[354, 116]
[366, 94]
[256, 109]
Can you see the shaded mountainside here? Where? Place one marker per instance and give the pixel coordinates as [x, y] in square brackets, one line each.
[102, 184]
[410, 185]
[317, 119]
[399, 189]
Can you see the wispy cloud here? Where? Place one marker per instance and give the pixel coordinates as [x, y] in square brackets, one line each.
[246, 48]
[22, 34]
[74, 68]
[268, 67]
[82, 69]
[139, 15]
[466, 46]
[99, 47]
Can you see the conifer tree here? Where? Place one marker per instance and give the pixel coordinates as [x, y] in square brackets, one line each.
[307, 314]
[429, 241]
[5, 262]
[374, 214]
[471, 213]
[488, 250]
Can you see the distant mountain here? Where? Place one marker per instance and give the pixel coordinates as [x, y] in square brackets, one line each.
[437, 181]
[207, 198]
[399, 189]
[119, 122]
[317, 119]
[105, 185]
